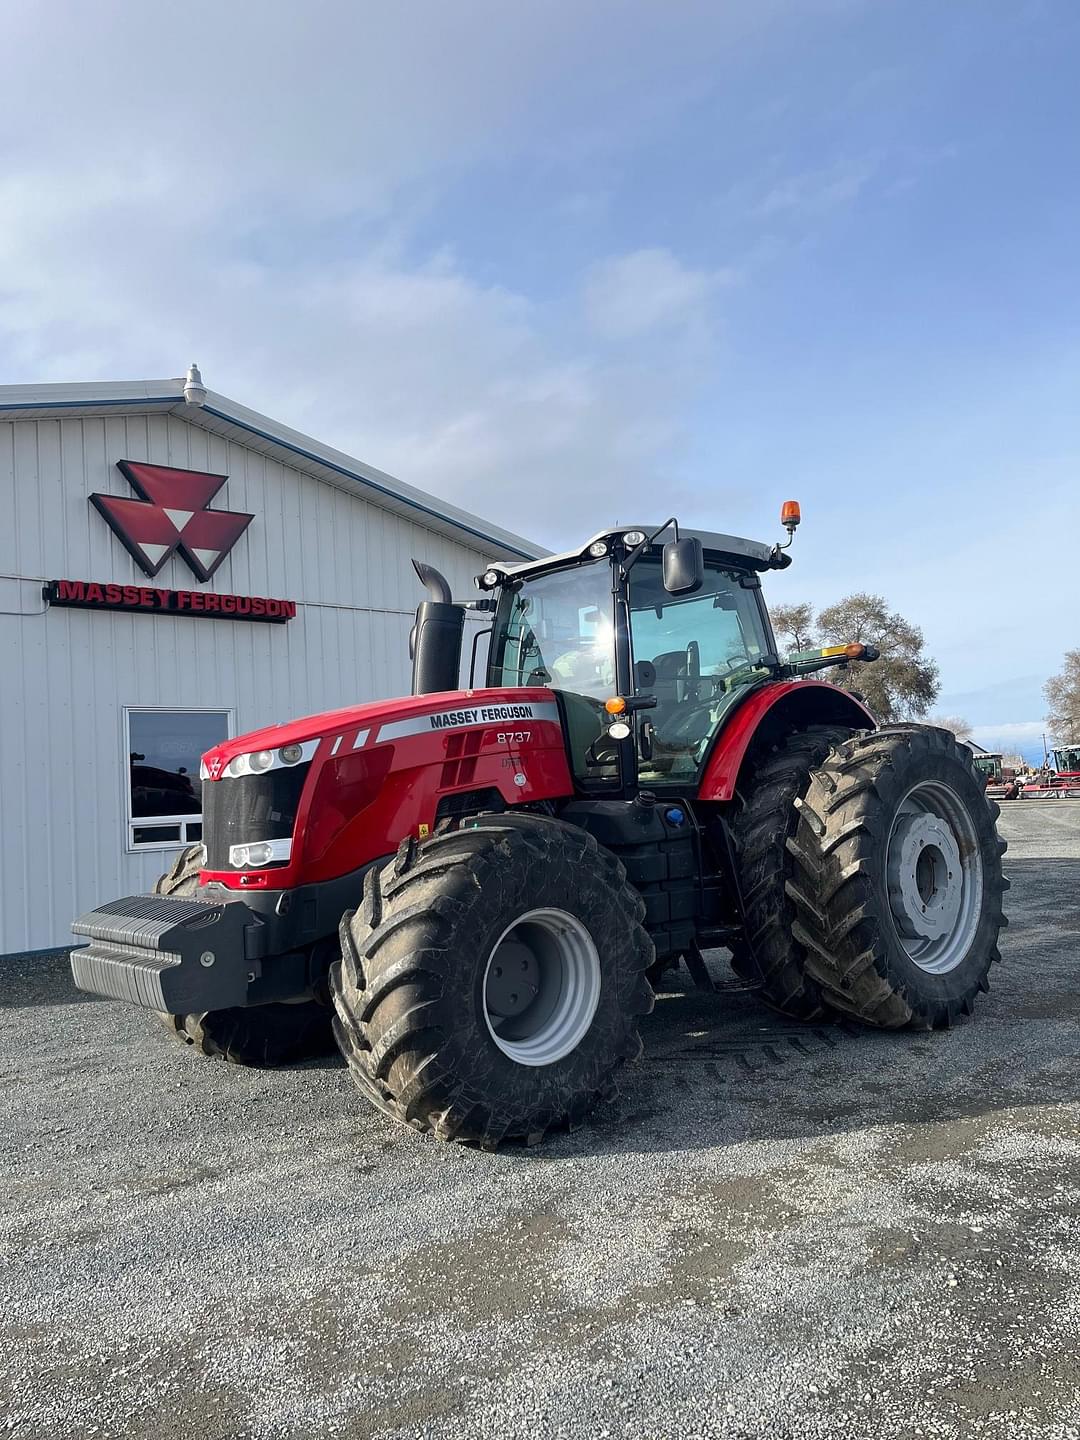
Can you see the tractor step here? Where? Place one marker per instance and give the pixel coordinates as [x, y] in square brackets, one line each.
[169, 954]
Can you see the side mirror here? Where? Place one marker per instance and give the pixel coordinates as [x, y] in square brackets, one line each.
[684, 566]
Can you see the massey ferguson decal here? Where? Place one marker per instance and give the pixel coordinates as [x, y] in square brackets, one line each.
[474, 715]
[172, 515]
[450, 719]
[149, 600]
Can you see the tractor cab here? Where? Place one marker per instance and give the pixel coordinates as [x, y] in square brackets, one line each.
[990, 763]
[646, 666]
[1066, 760]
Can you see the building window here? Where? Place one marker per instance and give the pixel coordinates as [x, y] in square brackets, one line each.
[164, 792]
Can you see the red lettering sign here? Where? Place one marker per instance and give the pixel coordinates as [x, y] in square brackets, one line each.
[144, 599]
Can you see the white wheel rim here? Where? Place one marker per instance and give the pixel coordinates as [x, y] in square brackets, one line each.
[934, 875]
[541, 987]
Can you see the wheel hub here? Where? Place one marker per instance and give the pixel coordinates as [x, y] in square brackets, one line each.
[934, 877]
[541, 987]
[925, 887]
[513, 982]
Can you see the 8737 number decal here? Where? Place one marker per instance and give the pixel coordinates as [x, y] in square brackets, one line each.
[513, 737]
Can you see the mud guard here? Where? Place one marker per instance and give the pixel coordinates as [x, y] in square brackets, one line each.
[785, 705]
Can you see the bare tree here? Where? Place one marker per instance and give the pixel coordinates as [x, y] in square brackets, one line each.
[1063, 697]
[794, 626]
[904, 683]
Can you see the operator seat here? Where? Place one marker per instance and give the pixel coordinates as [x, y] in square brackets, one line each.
[669, 686]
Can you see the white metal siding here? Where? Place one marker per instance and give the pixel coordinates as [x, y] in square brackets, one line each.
[65, 675]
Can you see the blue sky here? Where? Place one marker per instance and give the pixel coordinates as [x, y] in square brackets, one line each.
[568, 263]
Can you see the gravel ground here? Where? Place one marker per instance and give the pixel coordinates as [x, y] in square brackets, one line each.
[776, 1231]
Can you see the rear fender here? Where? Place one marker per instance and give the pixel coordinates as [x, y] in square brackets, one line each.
[774, 710]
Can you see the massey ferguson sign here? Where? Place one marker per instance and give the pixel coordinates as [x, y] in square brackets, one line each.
[172, 516]
[148, 599]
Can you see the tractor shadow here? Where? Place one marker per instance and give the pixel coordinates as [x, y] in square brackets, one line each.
[720, 1068]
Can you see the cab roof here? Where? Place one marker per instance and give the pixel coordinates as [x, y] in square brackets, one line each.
[750, 553]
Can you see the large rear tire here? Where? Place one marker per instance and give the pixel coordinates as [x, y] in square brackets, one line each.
[263, 1035]
[772, 956]
[435, 1028]
[898, 879]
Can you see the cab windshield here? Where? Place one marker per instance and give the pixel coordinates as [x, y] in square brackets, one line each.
[696, 654]
[557, 630]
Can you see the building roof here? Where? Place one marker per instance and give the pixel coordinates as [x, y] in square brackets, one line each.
[234, 421]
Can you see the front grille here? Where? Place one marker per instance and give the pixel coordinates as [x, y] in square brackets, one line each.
[249, 808]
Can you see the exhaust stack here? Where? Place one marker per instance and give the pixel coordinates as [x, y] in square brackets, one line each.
[435, 638]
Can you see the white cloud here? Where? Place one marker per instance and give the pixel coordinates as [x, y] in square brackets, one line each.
[411, 364]
[646, 290]
[1023, 735]
[241, 191]
[816, 192]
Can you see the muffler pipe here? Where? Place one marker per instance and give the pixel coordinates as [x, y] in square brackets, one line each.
[435, 638]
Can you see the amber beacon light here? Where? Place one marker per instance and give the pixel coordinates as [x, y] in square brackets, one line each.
[790, 515]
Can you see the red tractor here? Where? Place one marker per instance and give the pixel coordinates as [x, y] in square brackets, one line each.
[1059, 778]
[479, 888]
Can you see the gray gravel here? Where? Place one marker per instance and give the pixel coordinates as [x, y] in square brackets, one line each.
[774, 1232]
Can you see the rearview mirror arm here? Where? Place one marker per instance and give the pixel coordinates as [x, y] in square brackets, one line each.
[635, 554]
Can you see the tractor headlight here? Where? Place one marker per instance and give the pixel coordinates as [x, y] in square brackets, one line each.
[259, 852]
[491, 578]
[259, 761]
[598, 549]
[633, 537]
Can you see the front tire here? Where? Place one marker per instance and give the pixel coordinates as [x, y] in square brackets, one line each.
[435, 1028]
[898, 882]
[261, 1035]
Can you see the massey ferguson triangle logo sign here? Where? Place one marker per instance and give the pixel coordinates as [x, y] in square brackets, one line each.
[173, 514]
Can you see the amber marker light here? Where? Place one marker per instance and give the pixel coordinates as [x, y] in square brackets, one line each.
[615, 706]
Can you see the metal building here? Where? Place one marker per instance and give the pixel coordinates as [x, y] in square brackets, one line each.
[173, 568]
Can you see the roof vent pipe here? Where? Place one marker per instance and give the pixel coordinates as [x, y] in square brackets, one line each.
[194, 389]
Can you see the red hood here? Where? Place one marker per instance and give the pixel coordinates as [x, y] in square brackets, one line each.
[376, 712]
